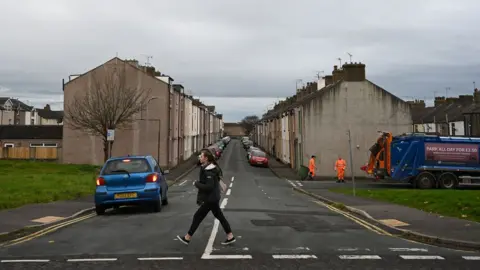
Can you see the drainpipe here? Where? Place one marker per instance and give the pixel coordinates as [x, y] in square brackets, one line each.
[169, 122]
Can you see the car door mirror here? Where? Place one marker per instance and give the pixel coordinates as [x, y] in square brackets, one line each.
[166, 172]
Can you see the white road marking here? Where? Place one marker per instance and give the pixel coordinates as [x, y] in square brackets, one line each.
[93, 260]
[229, 191]
[410, 249]
[421, 257]
[294, 256]
[360, 257]
[160, 259]
[291, 183]
[233, 178]
[300, 184]
[224, 203]
[23, 261]
[220, 257]
[183, 183]
[231, 184]
[471, 258]
[211, 239]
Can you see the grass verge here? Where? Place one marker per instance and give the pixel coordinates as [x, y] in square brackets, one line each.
[464, 204]
[26, 182]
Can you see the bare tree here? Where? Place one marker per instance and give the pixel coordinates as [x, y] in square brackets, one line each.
[108, 104]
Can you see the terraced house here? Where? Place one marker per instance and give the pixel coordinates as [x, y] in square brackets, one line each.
[316, 120]
[171, 128]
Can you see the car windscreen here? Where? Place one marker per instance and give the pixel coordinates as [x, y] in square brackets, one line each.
[133, 165]
[258, 154]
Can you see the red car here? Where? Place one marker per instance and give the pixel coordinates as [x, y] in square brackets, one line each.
[258, 158]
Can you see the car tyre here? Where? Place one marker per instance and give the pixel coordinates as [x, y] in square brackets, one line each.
[157, 206]
[100, 210]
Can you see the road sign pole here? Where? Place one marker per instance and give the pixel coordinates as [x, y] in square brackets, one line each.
[351, 160]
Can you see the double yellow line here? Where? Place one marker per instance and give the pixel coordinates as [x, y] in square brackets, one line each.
[46, 230]
[360, 222]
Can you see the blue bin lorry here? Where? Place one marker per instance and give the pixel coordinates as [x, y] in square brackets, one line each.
[425, 160]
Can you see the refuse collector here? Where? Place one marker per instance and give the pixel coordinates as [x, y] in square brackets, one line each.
[311, 167]
[340, 166]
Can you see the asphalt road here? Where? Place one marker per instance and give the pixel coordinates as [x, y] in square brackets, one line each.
[276, 228]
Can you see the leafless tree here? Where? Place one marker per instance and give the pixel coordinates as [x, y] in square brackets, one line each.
[108, 104]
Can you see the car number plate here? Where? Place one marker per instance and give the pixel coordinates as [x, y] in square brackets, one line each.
[259, 162]
[126, 195]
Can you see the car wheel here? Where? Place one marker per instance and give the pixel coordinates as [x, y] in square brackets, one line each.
[157, 206]
[100, 210]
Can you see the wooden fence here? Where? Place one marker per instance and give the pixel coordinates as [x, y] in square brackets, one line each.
[42, 153]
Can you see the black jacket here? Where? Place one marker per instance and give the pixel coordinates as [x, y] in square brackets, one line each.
[208, 185]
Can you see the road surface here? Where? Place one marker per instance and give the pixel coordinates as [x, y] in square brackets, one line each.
[276, 228]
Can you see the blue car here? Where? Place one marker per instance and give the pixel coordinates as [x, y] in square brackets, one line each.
[131, 180]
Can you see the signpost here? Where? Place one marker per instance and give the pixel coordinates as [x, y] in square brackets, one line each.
[110, 139]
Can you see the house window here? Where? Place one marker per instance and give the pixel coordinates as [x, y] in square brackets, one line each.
[8, 107]
[32, 121]
[8, 145]
[43, 145]
[453, 129]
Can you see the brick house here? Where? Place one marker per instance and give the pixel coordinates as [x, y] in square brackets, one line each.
[158, 130]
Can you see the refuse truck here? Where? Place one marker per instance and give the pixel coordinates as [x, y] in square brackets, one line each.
[425, 160]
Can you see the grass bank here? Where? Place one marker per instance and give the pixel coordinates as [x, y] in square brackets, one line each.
[464, 204]
[26, 182]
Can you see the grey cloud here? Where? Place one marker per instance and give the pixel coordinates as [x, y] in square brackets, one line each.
[248, 48]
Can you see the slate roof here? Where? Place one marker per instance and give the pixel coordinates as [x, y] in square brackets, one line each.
[49, 114]
[26, 132]
[16, 103]
[454, 111]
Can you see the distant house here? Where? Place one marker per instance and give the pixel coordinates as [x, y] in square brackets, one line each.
[472, 116]
[233, 129]
[14, 112]
[46, 116]
[446, 117]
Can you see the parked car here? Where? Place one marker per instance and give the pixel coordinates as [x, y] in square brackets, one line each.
[245, 139]
[221, 144]
[250, 149]
[216, 150]
[131, 180]
[226, 140]
[247, 144]
[258, 158]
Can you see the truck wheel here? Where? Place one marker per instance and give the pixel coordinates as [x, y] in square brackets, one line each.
[448, 180]
[425, 180]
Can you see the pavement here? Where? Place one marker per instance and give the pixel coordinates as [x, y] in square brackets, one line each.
[42, 214]
[276, 228]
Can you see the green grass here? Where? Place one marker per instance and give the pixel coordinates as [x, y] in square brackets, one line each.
[27, 182]
[464, 204]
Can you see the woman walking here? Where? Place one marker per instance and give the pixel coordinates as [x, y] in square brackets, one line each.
[208, 198]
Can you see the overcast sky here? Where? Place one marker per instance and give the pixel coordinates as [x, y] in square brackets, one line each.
[222, 50]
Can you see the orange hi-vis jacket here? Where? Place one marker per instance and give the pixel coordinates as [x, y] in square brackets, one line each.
[311, 165]
[340, 164]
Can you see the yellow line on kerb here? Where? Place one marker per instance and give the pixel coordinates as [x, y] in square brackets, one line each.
[360, 222]
[47, 230]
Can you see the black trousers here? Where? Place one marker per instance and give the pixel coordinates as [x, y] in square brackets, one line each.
[202, 212]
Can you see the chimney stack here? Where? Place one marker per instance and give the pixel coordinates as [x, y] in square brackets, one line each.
[337, 74]
[328, 80]
[439, 101]
[417, 103]
[476, 96]
[354, 72]
[465, 98]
